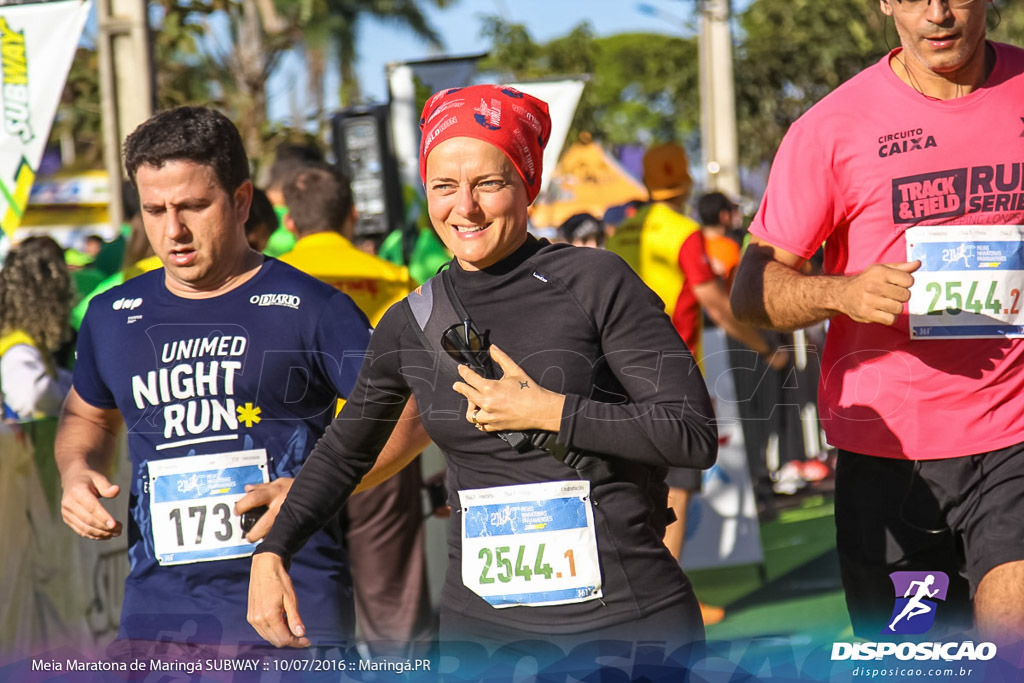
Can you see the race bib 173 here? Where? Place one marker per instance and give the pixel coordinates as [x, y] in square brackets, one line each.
[192, 502]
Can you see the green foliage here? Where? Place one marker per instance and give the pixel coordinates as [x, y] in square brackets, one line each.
[793, 53]
[186, 71]
[641, 86]
[78, 113]
[195, 64]
[644, 87]
[336, 23]
[512, 50]
[1006, 22]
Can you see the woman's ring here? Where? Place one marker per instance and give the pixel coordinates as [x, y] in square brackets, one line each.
[473, 416]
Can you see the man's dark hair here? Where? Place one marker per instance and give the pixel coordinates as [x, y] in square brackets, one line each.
[582, 226]
[319, 199]
[289, 158]
[261, 212]
[129, 201]
[195, 134]
[711, 206]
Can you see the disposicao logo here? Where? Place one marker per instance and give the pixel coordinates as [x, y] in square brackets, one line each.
[917, 596]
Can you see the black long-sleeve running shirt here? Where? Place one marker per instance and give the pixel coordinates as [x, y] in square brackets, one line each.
[580, 323]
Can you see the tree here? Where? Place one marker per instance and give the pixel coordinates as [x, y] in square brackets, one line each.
[645, 89]
[1007, 22]
[641, 86]
[791, 53]
[222, 53]
[77, 127]
[335, 24]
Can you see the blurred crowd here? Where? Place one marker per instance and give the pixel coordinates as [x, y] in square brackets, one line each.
[686, 252]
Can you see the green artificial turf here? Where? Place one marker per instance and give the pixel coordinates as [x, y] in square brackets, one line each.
[795, 596]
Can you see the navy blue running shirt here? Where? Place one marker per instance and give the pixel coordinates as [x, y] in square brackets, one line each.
[259, 367]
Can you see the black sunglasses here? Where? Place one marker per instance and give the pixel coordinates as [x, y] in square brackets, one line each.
[465, 345]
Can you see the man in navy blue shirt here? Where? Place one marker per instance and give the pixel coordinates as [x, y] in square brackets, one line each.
[225, 367]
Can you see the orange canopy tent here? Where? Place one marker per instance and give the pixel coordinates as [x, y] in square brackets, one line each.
[587, 180]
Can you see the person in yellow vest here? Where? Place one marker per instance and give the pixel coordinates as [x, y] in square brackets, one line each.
[666, 248]
[35, 300]
[323, 217]
[385, 533]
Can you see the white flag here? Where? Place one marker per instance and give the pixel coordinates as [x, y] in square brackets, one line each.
[37, 45]
[562, 97]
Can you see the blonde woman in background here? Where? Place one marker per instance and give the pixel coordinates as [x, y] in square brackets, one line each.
[35, 300]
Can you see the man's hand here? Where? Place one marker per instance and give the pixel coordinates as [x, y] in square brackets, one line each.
[272, 495]
[80, 504]
[84, 449]
[513, 403]
[877, 294]
[273, 607]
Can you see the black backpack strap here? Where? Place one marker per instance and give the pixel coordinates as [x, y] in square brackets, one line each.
[433, 308]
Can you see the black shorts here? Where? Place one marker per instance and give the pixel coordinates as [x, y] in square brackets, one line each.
[962, 516]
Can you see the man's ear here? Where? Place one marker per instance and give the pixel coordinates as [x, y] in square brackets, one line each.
[243, 200]
[885, 7]
[348, 231]
[289, 224]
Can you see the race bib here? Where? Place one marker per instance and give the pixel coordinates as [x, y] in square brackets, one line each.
[970, 281]
[191, 505]
[530, 545]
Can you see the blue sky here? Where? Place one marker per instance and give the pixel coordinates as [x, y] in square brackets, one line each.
[460, 25]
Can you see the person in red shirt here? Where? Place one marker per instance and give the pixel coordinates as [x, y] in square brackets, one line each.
[666, 248]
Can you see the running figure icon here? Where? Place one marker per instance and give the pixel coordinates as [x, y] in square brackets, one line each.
[915, 606]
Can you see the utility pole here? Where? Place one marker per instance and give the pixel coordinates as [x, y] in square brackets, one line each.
[126, 83]
[719, 146]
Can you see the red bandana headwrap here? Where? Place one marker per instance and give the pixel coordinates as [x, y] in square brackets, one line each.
[516, 123]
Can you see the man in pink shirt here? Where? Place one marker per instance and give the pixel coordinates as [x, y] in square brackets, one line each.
[911, 175]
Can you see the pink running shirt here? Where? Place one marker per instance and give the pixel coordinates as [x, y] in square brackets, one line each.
[852, 172]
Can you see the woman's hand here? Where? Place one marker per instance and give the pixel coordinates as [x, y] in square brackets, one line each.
[273, 608]
[513, 403]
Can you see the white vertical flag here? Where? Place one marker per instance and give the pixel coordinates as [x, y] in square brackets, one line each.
[562, 97]
[37, 45]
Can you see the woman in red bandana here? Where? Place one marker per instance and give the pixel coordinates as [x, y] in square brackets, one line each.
[558, 538]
